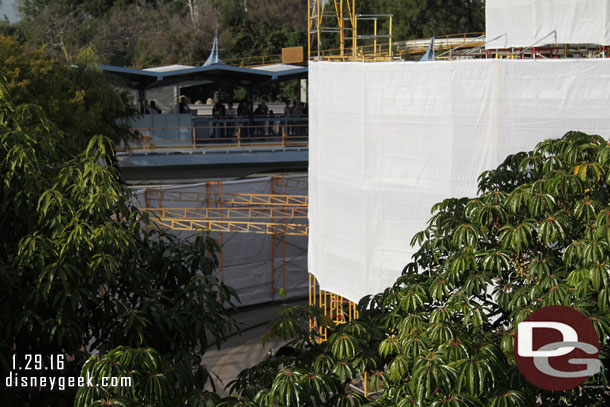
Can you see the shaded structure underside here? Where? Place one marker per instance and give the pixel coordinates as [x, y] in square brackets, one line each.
[184, 165]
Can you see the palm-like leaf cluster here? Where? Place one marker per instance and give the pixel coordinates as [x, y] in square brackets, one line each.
[83, 270]
[538, 234]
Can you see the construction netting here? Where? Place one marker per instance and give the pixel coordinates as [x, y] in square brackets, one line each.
[524, 23]
[389, 140]
[261, 267]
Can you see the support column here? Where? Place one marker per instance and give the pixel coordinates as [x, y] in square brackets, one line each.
[251, 113]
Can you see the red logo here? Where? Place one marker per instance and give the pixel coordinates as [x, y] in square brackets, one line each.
[557, 348]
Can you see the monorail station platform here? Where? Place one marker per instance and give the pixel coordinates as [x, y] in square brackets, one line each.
[184, 165]
[180, 146]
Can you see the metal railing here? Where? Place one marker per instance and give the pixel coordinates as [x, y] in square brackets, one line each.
[256, 60]
[381, 51]
[174, 131]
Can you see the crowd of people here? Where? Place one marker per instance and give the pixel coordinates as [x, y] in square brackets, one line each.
[294, 109]
[267, 123]
[291, 119]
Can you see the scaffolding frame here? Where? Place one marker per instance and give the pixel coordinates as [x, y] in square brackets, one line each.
[229, 200]
[272, 214]
[340, 17]
[339, 309]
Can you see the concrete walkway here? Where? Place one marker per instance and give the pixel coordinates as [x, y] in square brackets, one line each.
[244, 350]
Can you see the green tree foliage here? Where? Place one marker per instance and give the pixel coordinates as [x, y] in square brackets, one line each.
[260, 27]
[152, 32]
[423, 18]
[141, 367]
[79, 100]
[143, 33]
[538, 234]
[82, 270]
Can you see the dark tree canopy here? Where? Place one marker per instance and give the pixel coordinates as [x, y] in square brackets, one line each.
[154, 32]
[538, 234]
[82, 270]
[80, 100]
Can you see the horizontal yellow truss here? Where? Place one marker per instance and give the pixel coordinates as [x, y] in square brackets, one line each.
[230, 213]
[269, 228]
[228, 199]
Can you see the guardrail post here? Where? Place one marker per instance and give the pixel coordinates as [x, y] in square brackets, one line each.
[194, 137]
[148, 139]
[239, 137]
[283, 136]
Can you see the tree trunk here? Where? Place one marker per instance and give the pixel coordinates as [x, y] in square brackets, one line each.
[193, 11]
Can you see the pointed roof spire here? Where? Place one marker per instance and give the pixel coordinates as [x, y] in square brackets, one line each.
[429, 55]
[213, 58]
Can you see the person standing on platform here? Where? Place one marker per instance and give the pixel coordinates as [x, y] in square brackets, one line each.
[218, 112]
[287, 118]
[184, 107]
[259, 112]
[243, 111]
[297, 112]
[231, 126]
[272, 124]
[153, 108]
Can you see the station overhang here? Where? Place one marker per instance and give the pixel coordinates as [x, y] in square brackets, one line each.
[216, 73]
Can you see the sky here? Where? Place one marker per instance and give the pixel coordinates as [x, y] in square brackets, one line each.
[8, 7]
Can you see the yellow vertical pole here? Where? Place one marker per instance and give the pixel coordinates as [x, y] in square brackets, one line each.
[323, 305]
[310, 288]
[273, 240]
[311, 322]
[318, 26]
[284, 262]
[220, 204]
[354, 36]
[309, 29]
[222, 254]
[390, 39]
[342, 28]
[272, 265]
[375, 38]
[366, 392]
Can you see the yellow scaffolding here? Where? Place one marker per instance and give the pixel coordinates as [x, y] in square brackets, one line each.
[339, 17]
[230, 213]
[227, 199]
[225, 226]
[337, 308]
[277, 214]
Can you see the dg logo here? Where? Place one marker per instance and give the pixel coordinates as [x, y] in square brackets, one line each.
[557, 348]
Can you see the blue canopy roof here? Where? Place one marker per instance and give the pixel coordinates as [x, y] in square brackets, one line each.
[217, 73]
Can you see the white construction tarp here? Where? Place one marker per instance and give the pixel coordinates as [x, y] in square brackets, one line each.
[247, 257]
[389, 140]
[523, 23]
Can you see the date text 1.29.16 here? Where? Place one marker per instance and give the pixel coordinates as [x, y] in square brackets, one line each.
[38, 362]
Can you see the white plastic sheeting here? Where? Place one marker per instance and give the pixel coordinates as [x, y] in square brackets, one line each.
[522, 23]
[389, 140]
[248, 256]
